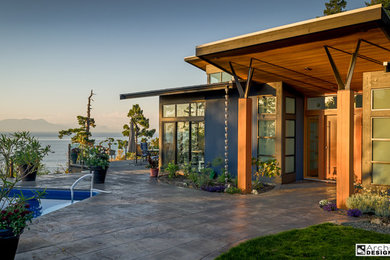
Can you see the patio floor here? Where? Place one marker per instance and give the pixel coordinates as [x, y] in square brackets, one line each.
[144, 219]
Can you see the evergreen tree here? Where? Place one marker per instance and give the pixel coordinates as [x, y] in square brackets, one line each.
[335, 6]
[136, 114]
[385, 4]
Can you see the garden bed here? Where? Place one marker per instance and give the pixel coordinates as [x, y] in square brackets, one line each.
[183, 181]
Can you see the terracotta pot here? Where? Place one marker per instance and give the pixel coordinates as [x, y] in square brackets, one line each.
[153, 172]
[99, 174]
[8, 244]
[27, 172]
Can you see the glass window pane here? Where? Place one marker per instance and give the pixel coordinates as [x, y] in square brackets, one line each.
[168, 143]
[197, 144]
[183, 110]
[290, 128]
[380, 128]
[331, 102]
[183, 144]
[381, 173]
[193, 109]
[215, 77]
[200, 111]
[315, 103]
[168, 110]
[358, 100]
[290, 105]
[267, 128]
[267, 105]
[289, 164]
[381, 151]
[266, 146]
[226, 77]
[380, 99]
[290, 146]
[265, 158]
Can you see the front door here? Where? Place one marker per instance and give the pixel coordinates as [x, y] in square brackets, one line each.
[312, 147]
[331, 147]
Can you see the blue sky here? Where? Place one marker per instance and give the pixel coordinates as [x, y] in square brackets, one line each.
[54, 52]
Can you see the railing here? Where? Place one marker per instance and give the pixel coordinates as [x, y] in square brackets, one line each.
[77, 181]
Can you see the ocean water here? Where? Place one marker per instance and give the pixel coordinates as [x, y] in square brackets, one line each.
[57, 161]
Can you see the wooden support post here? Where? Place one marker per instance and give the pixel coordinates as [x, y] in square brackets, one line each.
[244, 166]
[345, 138]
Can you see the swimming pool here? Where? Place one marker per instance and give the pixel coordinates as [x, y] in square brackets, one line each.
[51, 200]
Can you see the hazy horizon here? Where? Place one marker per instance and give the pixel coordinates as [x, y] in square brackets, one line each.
[54, 52]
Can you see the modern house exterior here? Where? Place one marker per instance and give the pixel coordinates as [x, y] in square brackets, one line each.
[315, 95]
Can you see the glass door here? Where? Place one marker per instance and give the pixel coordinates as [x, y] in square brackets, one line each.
[312, 147]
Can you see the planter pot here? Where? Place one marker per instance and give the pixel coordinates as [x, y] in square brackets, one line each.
[8, 244]
[153, 172]
[99, 174]
[27, 173]
[73, 157]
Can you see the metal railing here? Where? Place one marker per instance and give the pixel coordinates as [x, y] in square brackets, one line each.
[77, 181]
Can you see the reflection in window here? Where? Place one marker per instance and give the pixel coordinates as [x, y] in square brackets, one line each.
[182, 143]
[200, 109]
[193, 109]
[183, 110]
[168, 143]
[266, 138]
[219, 77]
[318, 103]
[380, 150]
[358, 100]
[267, 128]
[169, 110]
[267, 105]
[197, 144]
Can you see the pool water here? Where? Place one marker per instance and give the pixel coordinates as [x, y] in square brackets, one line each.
[51, 199]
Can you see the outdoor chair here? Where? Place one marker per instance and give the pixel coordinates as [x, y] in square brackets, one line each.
[145, 152]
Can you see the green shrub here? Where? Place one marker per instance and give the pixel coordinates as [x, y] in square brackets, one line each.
[193, 176]
[203, 180]
[269, 168]
[370, 203]
[221, 178]
[187, 169]
[232, 190]
[172, 169]
[382, 207]
[208, 171]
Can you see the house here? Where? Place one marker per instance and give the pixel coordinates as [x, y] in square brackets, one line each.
[315, 95]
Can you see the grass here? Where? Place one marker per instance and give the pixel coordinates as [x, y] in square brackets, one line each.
[325, 241]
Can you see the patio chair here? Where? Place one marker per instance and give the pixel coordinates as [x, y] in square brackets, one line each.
[145, 152]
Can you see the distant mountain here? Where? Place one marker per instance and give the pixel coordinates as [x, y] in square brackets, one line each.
[37, 125]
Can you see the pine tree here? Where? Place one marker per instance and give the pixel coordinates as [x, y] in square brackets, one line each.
[136, 114]
[335, 6]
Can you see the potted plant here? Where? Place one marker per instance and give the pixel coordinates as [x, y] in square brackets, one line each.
[74, 154]
[29, 155]
[14, 217]
[153, 165]
[97, 159]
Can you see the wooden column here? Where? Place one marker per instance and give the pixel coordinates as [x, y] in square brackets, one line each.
[345, 152]
[244, 165]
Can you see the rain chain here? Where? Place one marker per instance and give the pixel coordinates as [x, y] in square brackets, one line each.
[226, 134]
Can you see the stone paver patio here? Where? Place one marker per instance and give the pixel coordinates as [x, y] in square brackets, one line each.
[143, 219]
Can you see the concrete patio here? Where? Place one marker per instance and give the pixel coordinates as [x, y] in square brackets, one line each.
[144, 219]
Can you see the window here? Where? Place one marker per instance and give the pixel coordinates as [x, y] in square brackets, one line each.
[219, 77]
[266, 128]
[290, 147]
[319, 103]
[194, 109]
[380, 99]
[358, 101]
[290, 105]
[380, 149]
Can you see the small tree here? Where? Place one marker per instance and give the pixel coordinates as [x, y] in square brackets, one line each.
[335, 6]
[82, 134]
[136, 115]
[385, 4]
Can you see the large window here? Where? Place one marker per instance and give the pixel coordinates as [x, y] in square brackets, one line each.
[266, 128]
[183, 133]
[380, 150]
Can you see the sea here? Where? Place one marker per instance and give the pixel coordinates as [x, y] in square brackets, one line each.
[56, 161]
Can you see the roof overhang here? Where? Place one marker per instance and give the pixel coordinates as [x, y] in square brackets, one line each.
[178, 91]
[295, 53]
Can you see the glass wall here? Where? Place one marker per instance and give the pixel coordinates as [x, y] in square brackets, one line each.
[183, 138]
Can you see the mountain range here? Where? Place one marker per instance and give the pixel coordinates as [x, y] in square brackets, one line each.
[38, 125]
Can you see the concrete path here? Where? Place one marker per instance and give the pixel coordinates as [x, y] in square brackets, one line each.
[143, 219]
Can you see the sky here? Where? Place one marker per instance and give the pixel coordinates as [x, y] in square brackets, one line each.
[52, 53]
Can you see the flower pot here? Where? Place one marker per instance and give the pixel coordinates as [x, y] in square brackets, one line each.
[8, 244]
[28, 172]
[99, 174]
[153, 172]
[73, 157]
